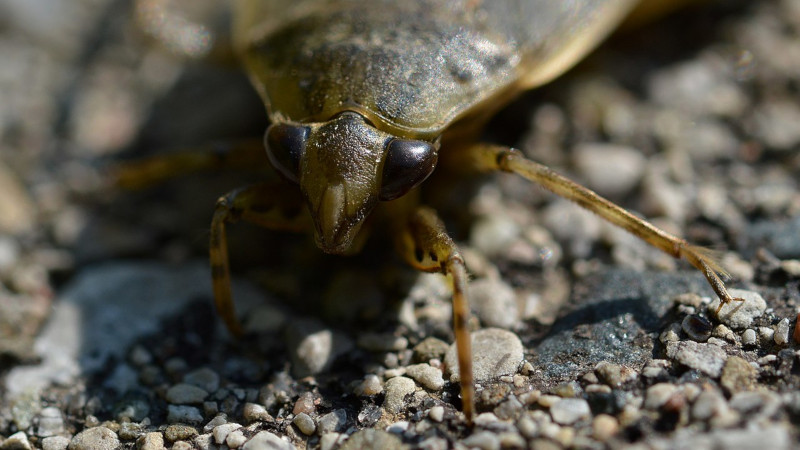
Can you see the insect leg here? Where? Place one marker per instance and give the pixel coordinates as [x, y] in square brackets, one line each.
[494, 157]
[151, 171]
[426, 246]
[269, 205]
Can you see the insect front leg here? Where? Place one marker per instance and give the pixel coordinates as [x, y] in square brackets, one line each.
[244, 154]
[270, 205]
[425, 245]
[493, 157]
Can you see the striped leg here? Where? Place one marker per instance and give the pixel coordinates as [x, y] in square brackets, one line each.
[271, 205]
[425, 245]
[489, 157]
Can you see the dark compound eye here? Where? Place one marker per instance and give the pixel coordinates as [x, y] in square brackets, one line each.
[407, 164]
[285, 144]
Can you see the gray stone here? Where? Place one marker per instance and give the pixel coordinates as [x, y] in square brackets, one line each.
[495, 353]
[334, 421]
[186, 394]
[739, 315]
[781, 336]
[484, 440]
[97, 438]
[373, 439]
[494, 302]
[706, 358]
[382, 342]
[50, 422]
[221, 432]
[184, 414]
[570, 410]
[658, 394]
[305, 424]
[313, 346]
[60, 443]
[430, 348]
[84, 330]
[610, 170]
[749, 337]
[264, 440]
[17, 441]
[151, 441]
[397, 389]
[204, 378]
[426, 375]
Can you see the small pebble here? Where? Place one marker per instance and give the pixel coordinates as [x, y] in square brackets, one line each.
[179, 433]
[570, 410]
[205, 378]
[781, 336]
[430, 348]
[19, 441]
[723, 332]
[334, 421]
[749, 337]
[738, 375]
[373, 439]
[396, 390]
[235, 439]
[738, 315]
[313, 346]
[436, 413]
[698, 328]
[604, 427]
[50, 422]
[429, 377]
[181, 445]
[658, 394]
[371, 385]
[184, 414]
[97, 438]
[706, 358]
[495, 353]
[305, 424]
[264, 440]
[483, 440]
[253, 412]
[614, 375]
[382, 342]
[221, 432]
[494, 302]
[151, 441]
[766, 333]
[61, 443]
[186, 394]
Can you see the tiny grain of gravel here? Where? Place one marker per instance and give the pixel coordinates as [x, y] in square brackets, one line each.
[584, 337]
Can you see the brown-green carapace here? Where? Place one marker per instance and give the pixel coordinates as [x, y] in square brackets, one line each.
[366, 98]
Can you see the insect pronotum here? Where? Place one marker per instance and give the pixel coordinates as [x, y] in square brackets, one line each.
[364, 96]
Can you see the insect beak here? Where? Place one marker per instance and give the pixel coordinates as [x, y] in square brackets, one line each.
[336, 227]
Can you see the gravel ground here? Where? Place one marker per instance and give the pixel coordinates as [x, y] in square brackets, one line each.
[584, 337]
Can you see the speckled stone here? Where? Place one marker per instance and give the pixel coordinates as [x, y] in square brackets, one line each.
[62, 442]
[427, 376]
[494, 302]
[781, 336]
[396, 390]
[738, 315]
[430, 348]
[179, 433]
[18, 441]
[151, 441]
[221, 432]
[738, 375]
[97, 438]
[334, 421]
[706, 358]
[495, 353]
[264, 440]
[370, 438]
